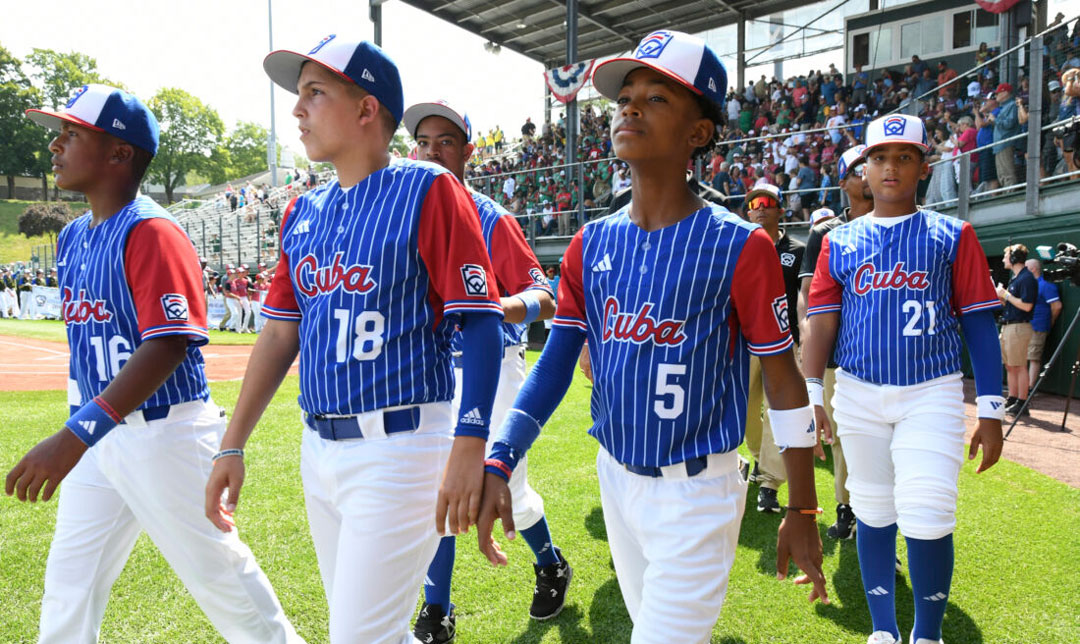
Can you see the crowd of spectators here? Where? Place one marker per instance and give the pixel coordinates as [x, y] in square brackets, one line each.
[791, 133]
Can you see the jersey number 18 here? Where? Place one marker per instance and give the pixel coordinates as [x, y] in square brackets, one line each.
[367, 329]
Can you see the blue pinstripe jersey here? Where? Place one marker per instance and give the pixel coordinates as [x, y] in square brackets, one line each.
[672, 317]
[522, 269]
[900, 290]
[375, 277]
[133, 277]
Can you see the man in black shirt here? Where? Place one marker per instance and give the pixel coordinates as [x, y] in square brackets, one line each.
[850, 170]
[1019, 300]
[763, 208]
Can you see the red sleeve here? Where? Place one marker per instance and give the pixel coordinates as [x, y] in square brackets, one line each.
[452, 248]
[516, 267]
[280, 302]
[167, 288]
[973, 288]
[825, 292]
[757, 289]
[571, 301]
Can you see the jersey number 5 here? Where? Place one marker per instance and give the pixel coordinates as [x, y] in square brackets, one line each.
[665, 387]
[366, 336]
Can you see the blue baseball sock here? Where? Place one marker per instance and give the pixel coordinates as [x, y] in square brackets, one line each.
[539, 539]
[439, 573]
[877, 563]
[931, 565]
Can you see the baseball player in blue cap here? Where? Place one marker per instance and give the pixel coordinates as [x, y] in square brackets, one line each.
[443, 136]
[674, 294]
[890, 294]
[377, 269]
[142, 424]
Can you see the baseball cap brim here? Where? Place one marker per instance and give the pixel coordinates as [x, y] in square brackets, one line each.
[866, 152]
[283, 67]
[608, 77]
[764, 192]
[417, 113]
[56, 120]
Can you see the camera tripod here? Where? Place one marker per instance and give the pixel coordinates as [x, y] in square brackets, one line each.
[1046, 369]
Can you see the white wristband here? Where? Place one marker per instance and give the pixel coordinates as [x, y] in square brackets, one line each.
[793, 427]
[816, 391]
[992, 407]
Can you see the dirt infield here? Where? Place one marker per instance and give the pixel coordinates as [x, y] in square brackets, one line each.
[1037, 442]
[32, 365]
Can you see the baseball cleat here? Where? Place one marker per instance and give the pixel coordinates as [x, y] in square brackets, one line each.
[923, 640]
[435, 627]
[755, 474]
[881, 637]
[766, 501]
[549, 596]
[844, 528]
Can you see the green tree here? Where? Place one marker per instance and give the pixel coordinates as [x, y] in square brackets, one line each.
[59, 74]
[45, 219]
[190, 133]
[246, 146]
[401, 142]
[24, 147]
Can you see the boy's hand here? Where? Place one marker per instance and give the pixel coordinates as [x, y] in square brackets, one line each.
[798, 539]
[458, 505]
[495, 504]
[988, 436]
[47, 463]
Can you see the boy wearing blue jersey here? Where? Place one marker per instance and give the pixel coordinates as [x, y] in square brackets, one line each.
[377, 268]
[890, 292]
[673, 294]
[143, 429]
[442, 135]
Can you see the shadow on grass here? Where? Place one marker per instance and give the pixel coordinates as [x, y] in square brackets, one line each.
[594, 523]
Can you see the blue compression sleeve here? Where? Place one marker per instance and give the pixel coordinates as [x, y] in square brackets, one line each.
[980, 332]
[481, 356]
[539, 396]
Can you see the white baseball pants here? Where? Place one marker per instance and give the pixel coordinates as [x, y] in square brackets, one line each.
[371, 510]
[242, 314]
[904, 447]
[673, 543]
[256, 310]
[528, 505]
[232, 306]
[151, 476]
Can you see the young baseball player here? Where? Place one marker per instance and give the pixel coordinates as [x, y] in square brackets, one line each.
[143, 429]
[376, 270]
[240, 290]
[890, 293]
[851, 170]
[763, 207]
[442, 136]
[674, 295]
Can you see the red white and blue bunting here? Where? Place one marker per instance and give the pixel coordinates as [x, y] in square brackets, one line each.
[566, 82]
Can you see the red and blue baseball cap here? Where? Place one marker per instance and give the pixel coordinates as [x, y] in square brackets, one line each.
[357, 61]
[417, 113]
[820, 215]
[896, 128]
[683, 58]
[105, 109]
[851, 157]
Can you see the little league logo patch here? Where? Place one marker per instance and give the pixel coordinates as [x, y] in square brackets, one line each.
[74, 97]
[780, 312]
[175, 306]
[653, 45]
[787, 259]
[322, 43]
[475, 279]
[894, 126]
[538, 277]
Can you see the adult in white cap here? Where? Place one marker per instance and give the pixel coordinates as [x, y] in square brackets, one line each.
[376, 268]
[143, 427]
[657, 287]
[852, 177]
[442, 134]
[890, 294]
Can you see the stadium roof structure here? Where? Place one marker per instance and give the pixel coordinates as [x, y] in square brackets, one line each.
[537, 28]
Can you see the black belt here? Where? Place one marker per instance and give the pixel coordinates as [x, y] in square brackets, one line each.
[693, 466]
[335, 429]
[1008, 322]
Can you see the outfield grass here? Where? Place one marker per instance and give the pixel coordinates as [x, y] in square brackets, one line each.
[14, 247]
[1016, 544]
[54, 330]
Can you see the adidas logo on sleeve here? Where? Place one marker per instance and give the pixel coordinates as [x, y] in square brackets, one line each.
[472, 417]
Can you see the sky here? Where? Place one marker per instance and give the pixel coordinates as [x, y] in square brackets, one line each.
[214, 50]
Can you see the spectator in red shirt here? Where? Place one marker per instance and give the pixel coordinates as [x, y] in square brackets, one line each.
[946, 74]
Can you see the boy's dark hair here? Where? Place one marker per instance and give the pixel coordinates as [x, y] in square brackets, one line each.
[714, 113]
[140, 161]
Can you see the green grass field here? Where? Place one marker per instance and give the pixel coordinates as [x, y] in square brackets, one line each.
[14, 247]
[53, 330]
[1017, 543]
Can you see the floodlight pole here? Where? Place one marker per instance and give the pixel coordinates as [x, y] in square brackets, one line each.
[572, 106]
[271, 144]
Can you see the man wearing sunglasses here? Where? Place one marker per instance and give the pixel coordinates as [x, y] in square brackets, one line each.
[763, 207]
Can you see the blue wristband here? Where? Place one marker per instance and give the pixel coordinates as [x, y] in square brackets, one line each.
[532, 305]
[92, 421]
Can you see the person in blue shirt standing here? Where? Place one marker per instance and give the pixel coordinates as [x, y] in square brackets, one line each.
[1047, 309]
[1007, 122]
